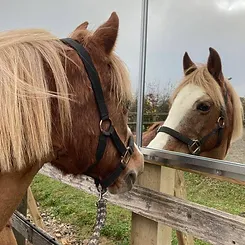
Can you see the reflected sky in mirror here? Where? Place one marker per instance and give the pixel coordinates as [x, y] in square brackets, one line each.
[194, 26]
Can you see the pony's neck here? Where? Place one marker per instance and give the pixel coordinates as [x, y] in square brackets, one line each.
[219, 152]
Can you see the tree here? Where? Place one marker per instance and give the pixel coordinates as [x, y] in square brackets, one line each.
[155, 104]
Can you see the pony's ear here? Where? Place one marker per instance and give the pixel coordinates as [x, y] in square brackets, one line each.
[77, 33]
[188, 65]
[82, 27]
[214, 65]
[106, 34]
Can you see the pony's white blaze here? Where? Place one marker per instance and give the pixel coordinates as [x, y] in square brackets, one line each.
[183, 103]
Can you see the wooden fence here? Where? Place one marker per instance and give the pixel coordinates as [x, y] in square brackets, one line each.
[158, 201]
[161, 209]
[148, 119]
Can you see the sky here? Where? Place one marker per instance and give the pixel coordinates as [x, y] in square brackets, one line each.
[194, 26]
[173, 28]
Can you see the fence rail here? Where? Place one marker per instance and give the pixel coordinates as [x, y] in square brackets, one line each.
[205, 223]
[148, 119]
[33, 234]
[224, 170]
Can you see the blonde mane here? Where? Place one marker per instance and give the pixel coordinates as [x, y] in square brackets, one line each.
[238, 114]
[202, 78]
[121, 83]
[25, 109]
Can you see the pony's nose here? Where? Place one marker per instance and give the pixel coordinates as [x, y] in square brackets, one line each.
[131, 177]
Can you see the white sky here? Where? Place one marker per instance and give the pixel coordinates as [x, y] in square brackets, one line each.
[174, 27]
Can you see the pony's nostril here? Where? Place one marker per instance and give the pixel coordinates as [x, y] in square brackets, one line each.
[132, 177]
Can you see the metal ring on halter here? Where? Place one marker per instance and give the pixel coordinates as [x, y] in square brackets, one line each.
[197, 148]
[221, 122]
[109, 130]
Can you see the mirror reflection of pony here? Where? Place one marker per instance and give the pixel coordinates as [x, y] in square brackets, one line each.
[205, 117]
[150, 133]
[206, 113]
[52, 110]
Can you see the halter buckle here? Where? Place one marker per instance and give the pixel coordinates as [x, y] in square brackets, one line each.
[195, 147]
[109, 129]
[127, 155]
[221, 122]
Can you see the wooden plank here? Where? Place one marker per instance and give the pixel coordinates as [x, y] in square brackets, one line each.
[208, 224]
[180, 191]
[32, 206]
[167, 183]
[22, 208]
[144, 123]
[212, 176]
[144, 230]
[131, 113]
[182, 161]
[33, 234]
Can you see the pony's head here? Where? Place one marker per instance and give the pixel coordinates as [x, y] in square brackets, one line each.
[85, 145]
[49, 109]
[205, 114]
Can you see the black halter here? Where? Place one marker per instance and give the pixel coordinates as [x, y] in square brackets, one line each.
[195, 146]
[110, 132]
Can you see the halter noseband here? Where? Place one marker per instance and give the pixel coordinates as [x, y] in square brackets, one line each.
[195, 146]
[110, 132]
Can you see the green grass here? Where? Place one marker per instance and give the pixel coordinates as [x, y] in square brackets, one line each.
[78, 208]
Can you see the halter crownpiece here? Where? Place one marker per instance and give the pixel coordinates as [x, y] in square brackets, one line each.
[109, 132]
[105, 133]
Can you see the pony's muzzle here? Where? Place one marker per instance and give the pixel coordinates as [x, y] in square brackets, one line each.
[130, 179]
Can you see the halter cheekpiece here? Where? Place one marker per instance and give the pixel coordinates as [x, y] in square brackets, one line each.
[195, 145]
[108, 132]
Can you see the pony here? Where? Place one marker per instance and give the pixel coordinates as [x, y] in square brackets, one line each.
[206, 114]
[64, 102]
[150, 133]
[7, 236]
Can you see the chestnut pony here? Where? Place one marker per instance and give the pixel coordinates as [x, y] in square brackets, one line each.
[204, 107]
[150, 133]
[64, 102]
[206, 113]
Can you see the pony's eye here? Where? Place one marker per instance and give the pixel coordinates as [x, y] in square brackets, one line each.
[203, 107]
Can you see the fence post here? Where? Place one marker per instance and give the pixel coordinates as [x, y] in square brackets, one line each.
[180, 191]
[22, 208]
[32, 206]
[145, 231]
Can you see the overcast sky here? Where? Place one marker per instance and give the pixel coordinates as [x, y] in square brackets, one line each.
[174, 27]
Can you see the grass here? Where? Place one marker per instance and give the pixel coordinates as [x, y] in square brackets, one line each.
[78, 208]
